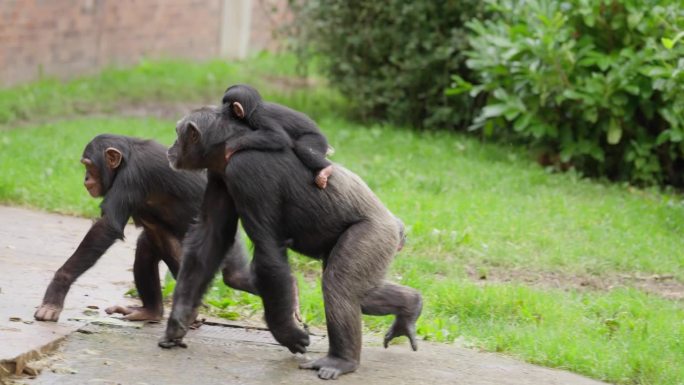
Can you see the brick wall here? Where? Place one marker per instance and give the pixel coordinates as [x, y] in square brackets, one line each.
[267, 17]
[64, 38]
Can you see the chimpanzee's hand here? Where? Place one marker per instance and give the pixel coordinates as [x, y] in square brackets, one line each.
[171, 343]
[48, 312]
[175, 331]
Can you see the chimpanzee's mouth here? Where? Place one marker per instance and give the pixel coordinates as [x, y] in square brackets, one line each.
[92, 191]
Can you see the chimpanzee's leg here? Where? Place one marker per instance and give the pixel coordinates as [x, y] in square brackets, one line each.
[275, 285]
[238, 274]
[404, 302]
[356, 264]
[172, 251]
[205, 246]
[146, 274]
[311, 150]
[236, 270]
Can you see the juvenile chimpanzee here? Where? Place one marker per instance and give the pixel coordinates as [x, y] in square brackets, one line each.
[356, 239]
[275, 125]
[135, 179]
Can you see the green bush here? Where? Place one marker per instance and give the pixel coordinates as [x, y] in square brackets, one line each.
[393, 59]
[595, 84]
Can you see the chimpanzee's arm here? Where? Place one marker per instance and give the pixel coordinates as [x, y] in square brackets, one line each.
[98, 239]
[275, 282]
[310, 144]
[205, 246]
[265, 138]
[311, 149]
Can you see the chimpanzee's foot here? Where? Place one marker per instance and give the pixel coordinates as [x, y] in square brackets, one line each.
[136, 313]
[197, 323]
[168, 343]
[292, 337]
[406, 325]
[330, 368]
[47, 312]
[175, 331]
[322, 177]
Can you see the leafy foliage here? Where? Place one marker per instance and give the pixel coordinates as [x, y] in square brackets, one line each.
[392, 59]
[597, 85]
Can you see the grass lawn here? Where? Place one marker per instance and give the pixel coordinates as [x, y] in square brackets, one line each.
[554, 269]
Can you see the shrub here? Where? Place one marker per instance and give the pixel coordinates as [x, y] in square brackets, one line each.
[392, 59]
[598, 85]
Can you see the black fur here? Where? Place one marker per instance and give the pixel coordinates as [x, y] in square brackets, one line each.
[276, 126]
[345, 225]
[162, 201]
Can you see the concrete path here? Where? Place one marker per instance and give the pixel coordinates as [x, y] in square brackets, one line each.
[33, 245]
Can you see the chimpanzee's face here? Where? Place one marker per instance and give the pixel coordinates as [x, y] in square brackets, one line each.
[186, 152]
[93, 181]
[101, 167]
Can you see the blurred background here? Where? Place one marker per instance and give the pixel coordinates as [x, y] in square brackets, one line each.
[69, 38]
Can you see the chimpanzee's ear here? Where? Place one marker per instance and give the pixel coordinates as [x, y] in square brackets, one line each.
[193, 132]
[113, 157]
[238, 110]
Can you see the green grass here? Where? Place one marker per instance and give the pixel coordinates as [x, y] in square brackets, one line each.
[165, 81]
[465, 204]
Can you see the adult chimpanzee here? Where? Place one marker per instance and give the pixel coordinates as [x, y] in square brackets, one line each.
[136, 181]
[356, 239]
[275, 126]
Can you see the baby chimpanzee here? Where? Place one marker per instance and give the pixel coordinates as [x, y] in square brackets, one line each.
[273, 125]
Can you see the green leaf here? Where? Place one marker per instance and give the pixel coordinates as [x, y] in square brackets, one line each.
[634, 18]
[655, 71]
[572, 94]
[477, 90]
[522, 123]
[614, 132]
[493, 111]
[590, 114]
[670, 43]
[458, 86]
[511, 113]
[663, 137]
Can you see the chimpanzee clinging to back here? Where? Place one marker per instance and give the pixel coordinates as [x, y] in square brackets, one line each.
[267, 191]
[275, 125]
[135, 179]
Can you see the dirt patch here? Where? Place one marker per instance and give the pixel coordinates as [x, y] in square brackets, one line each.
[665, 286]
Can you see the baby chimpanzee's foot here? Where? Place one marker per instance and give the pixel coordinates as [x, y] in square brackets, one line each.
[330, 368]
[405, 325]
[322, 177]
[135, 313]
